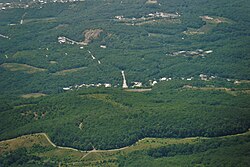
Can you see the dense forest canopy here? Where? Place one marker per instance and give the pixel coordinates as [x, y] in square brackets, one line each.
[63, 65]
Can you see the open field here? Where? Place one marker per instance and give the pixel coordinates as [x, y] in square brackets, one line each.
[231, 91]
[66, 156]
[68, 71]
[210, 24]
[23, 141]
[138, 90]
[22, 67]
[33, 95]
[39, 20]
[106, 98]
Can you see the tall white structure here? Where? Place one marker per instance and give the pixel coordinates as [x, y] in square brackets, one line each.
[124, 85]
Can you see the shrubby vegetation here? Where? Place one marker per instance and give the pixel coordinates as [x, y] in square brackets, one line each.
[215, 152]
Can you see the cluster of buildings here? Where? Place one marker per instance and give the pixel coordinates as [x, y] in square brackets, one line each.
[11, 5]
[31, 3]
[137, 84]
[106, 85]
[65, 40]
[198, 52]
[164, 15]
[202, 77]
[149, 17]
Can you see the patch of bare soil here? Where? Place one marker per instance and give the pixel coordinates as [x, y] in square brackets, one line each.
[33, 95]
[91, 35]
[151, 2]
[138, 90]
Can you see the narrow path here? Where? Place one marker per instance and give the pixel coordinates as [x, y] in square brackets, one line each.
[21, 21]
[46, 136]
[124, 85]
[99, 151]
[93, 57]
[3, 36]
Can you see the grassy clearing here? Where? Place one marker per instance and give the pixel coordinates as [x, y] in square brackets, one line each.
[211, 22]
[62, 154]
[155, 21]
[33, 95]
[104, 98]
[231, 91]
[68, 71]
[40, 20]
[23, 105]
[26, 141]
[29, 141]
[68, 157]
[148, 143]
[53, 62]
[138, 90]
[22, 67]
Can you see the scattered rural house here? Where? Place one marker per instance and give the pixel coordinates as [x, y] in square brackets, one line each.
[66, 89]
[209, 51]
[236, 82]
[103, 46]
[154, 82]
[119, 17]
[106, 85]
[203, 77]
[163, 79]
[137, 85]
[61, 39]
[190, 79]
[98, 85]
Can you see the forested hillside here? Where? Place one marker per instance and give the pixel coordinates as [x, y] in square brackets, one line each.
[137, 43]
[97, 75]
